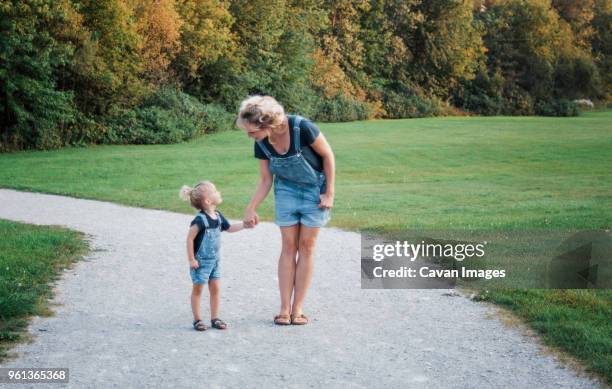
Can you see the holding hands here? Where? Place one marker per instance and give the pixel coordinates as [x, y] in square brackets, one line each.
[251, 219]
[248, 224]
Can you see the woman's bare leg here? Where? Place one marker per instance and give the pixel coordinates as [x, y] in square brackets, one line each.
[286, 266]
[305, 266]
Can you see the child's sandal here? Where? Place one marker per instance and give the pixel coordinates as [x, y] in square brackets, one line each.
[199, 325]
[218, 324]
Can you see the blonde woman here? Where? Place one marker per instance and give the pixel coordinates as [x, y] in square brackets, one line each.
[295, 157]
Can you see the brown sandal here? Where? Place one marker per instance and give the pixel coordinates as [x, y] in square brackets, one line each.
[282, 320]
[302, 319]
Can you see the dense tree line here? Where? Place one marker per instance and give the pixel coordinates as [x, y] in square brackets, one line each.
[159, 71]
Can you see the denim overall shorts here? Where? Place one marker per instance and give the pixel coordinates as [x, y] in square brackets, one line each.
[297, 187]
[208, 254]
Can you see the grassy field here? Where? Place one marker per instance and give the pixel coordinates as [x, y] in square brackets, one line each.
[496, 173]
[499, 172]
[31, 258]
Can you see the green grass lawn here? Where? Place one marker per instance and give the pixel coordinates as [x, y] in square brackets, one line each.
[496, 173]
[31, 258]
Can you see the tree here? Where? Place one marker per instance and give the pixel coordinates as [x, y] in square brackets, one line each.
[158, 24]
[342, 51]
[385, 52]
[208, 63]
[276, 41]
[34, 113]
[108, 67]
[259, 26]
[533, 51]
[602, 44]
[579, 15]
[522, 37]
[445, 44]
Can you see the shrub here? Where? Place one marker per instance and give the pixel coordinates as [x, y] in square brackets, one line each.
[517, 101]
[34, 113]
[409, 105]
[558, 107]
[482, 95]
[341, 109]
[484, 104]
[83, 131]
[167, 116]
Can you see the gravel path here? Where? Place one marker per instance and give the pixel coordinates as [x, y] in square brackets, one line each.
[124, 318]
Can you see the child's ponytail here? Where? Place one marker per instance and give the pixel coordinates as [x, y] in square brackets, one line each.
[185, 193]
[196, 194]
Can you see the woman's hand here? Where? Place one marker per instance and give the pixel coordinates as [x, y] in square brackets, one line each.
[250, 217]
[327, 201]
[321, 147]
[193, 264]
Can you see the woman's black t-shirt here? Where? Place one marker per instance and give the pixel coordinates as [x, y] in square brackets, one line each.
[308, 133]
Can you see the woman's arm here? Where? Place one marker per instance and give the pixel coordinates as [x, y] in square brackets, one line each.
[193, 231]
[322, 147]
[262, 190]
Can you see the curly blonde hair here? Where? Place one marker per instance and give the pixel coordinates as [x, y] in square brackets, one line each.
[261, 112]
[196, 194]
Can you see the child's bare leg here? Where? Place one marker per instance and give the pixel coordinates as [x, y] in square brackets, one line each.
[196, 293]
[286, 266]
[213, 289]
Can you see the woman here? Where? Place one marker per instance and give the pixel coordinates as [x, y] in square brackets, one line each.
[295, 157]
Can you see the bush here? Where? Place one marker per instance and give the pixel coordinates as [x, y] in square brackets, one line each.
[39, 118]
[517, 101]
[167, 116]
[409, 105]
[34, 113]
[577, 75]
[341, 109]
[82, 131]
[559, 107]
[482, 95]
[216, 118]
[484, 104]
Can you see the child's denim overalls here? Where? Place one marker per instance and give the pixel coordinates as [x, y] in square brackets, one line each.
[208, 253]
[297, 186]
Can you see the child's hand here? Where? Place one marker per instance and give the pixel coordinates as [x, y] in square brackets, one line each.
[248, 224]
[194, 264]
[250, 216]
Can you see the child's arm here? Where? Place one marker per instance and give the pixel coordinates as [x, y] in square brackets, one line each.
[239, 227]
[193, 231]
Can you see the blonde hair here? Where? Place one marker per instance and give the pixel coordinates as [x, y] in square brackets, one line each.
[261, 112]
[196, 194]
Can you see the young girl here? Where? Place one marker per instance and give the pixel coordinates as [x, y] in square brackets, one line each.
[203, 244]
